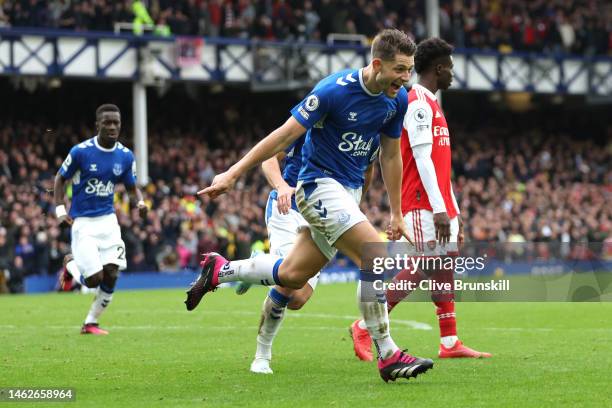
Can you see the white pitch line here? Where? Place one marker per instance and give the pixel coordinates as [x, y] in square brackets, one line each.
[413, 324]
[410, 323]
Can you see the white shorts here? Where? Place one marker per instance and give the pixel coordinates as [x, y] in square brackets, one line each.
[421, 228]
[330, 209]
[96, 241]
[282, 231]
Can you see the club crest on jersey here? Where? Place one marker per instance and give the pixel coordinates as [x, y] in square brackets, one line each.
[390, 115]
[312, 103]
[93, 167]
[117, 169]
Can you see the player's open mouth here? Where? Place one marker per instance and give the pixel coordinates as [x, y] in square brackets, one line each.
[395, 87]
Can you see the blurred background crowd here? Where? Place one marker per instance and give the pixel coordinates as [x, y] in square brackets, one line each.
[543, 175]
[518, 178]
[554, 26]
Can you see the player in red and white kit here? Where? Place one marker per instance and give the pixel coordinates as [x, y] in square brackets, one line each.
[428, 202]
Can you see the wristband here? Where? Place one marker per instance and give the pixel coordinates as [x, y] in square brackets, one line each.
[60, 211]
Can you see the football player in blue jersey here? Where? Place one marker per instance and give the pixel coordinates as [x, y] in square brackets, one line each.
[342, 116]
[95, 166]
[283, 221]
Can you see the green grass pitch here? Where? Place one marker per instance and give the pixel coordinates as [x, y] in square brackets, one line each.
[158, 354]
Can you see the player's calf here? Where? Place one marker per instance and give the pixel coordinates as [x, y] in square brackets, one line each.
[300, 297]
[94, 280]
[111, 273]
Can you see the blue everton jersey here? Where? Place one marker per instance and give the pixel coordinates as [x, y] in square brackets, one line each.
[291, 168]
[344, 119]
[293, 162]
[94, 171]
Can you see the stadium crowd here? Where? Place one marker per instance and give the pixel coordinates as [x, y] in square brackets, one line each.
[529, 186]
[578, 26]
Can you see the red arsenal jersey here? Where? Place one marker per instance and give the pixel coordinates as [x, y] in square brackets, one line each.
[425, 123]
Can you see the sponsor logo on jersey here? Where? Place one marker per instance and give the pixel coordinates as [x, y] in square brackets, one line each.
[99, 188]
[354, 143]
[441, 131]
[117, 169]
[442, 134]
[444, 141]
[312, 103]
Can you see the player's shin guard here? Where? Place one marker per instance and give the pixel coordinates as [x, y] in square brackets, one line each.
[260, 270]
[104, 295]
[376, 318]
[272, 315]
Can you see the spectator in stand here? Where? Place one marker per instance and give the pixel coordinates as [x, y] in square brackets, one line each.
[578, 26]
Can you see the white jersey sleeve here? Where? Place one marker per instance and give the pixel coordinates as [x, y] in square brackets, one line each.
[427, 173]
[418, 123]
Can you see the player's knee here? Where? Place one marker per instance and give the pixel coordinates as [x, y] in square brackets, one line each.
[111, 273]
[293, 280]
[290, 276]
[111, 270]
[94, 280]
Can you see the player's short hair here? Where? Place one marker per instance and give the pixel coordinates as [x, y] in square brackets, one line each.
[390, 42]
[107, 107]
[428, 51]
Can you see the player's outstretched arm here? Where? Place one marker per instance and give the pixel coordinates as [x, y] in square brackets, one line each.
[391, 169]
[272, 171]
[58, 198]
[275, 142]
